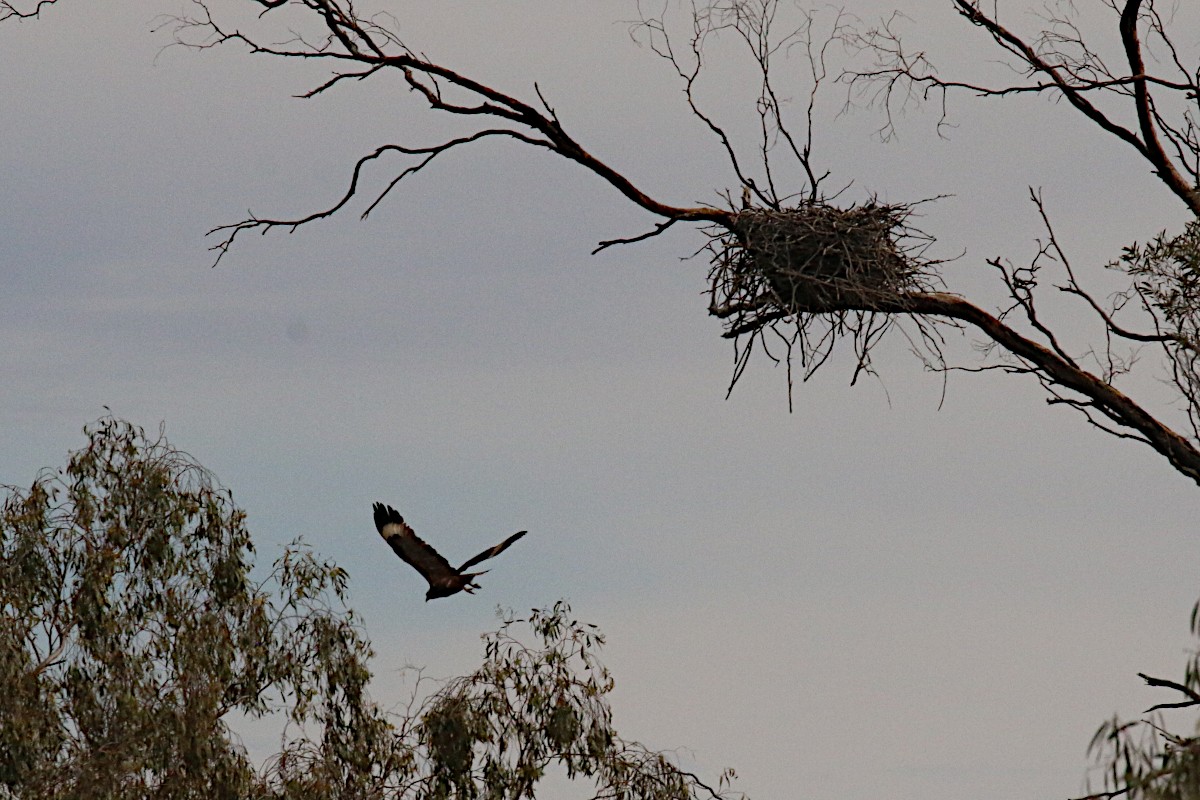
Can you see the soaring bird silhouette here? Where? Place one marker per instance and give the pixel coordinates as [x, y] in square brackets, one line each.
[444, 580]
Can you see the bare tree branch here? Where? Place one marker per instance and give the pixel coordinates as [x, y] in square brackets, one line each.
[1066, 66]
[377, 49]
[10, 9]
[1181, 453]
[1193, 697]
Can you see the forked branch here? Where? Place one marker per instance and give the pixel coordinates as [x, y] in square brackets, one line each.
[1060, 62]
[373, 49]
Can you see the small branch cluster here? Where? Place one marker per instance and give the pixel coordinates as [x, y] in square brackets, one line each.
[1150, 101]
[758, 30]
[1141, 758]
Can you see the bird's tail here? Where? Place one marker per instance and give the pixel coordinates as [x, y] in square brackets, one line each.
[471, 586]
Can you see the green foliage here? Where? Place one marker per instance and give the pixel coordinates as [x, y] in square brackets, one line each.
[1141, 759]
[496, 732]
[132, 632]
[1166, 275]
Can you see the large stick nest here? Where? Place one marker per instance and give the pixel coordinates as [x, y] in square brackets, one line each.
[814, 273]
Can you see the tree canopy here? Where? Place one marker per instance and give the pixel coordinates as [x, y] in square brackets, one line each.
[135, 634]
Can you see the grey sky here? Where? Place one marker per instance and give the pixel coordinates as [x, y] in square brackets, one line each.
[869, 596]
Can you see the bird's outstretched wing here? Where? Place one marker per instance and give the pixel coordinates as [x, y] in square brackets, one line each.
[410, 547]
[490, 552]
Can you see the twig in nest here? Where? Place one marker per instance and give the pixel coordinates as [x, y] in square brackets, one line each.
[817, 273]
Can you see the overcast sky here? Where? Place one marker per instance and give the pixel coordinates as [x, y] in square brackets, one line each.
[879, 594]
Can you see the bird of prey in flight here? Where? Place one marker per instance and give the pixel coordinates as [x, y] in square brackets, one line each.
[444, 580]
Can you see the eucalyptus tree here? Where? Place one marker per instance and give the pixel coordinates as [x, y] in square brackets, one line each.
[135, 636]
